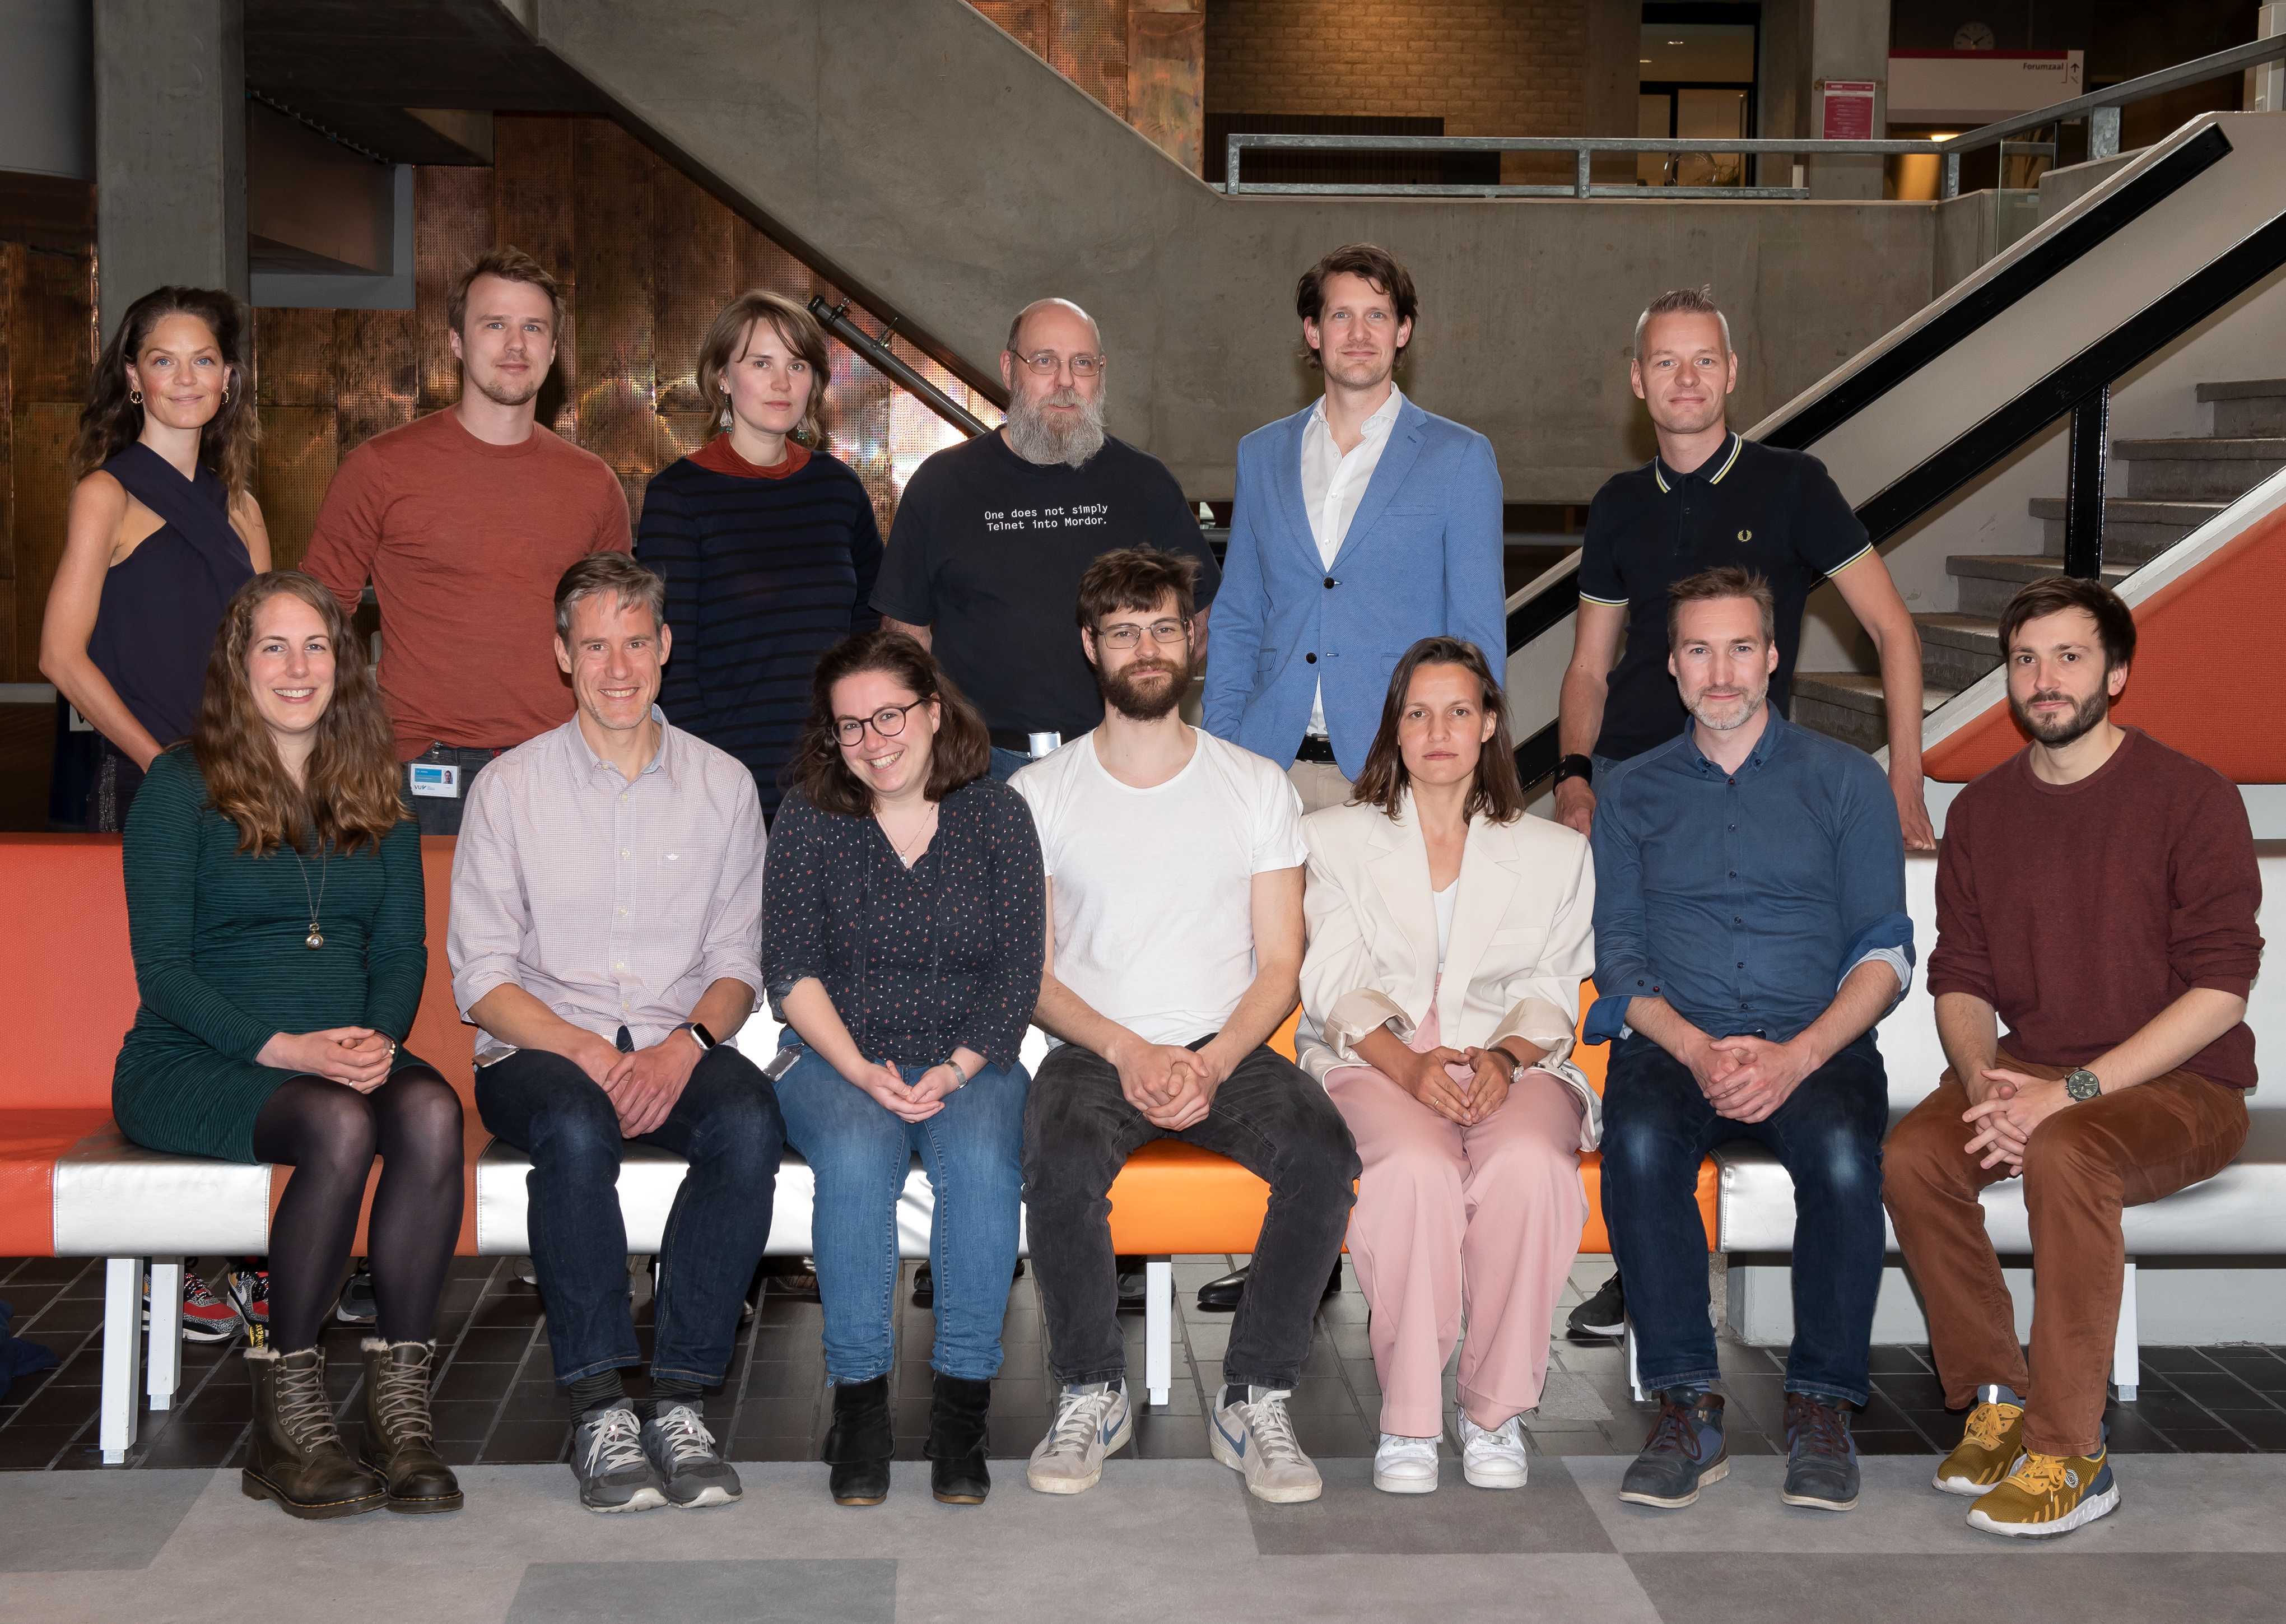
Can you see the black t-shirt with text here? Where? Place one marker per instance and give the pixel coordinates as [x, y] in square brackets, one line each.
[1778, 513]
[987, 550]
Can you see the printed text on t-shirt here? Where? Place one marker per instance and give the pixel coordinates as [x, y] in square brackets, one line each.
[1078, 516]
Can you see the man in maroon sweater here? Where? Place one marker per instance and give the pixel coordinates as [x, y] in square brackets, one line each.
[2098, 891]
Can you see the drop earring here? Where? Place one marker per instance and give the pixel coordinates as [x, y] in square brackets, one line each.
[728, 421]
[135, 397]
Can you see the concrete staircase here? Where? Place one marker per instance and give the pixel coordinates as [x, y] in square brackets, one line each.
[2166, 489]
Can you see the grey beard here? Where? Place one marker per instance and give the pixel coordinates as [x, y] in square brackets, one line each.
[1034, 436]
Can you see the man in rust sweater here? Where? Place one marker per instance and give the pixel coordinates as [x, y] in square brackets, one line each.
[464, 520]
[2098, 891]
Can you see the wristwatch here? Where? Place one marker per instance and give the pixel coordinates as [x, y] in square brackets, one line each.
[2081, 1083]
[1515, 1066]
[1580, 767]
[706, 1039]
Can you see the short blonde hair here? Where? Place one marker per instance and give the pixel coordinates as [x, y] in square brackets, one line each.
[1682, 302]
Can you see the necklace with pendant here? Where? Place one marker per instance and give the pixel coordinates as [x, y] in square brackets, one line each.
[316, 938]
[903, 852]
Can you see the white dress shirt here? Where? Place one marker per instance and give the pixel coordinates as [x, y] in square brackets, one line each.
[1333, 484]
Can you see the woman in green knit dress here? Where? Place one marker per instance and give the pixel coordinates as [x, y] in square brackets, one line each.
[274, 908]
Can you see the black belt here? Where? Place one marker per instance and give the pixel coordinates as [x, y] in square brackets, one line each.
[1315, 749]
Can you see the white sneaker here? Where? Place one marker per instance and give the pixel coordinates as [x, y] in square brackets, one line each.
[1405, 1465]
[1493, 1460]
[1092, 1421]
[1255, 1436]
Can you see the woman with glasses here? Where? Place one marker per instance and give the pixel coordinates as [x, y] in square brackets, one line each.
[904, 892]
[768, 543]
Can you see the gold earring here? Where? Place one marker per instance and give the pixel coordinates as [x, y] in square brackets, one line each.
[135, 397]
[225, 394]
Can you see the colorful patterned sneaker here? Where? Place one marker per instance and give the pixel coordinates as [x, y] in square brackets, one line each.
[1493, 1458]
[1821, 1456]
[2047, 1494]
[1251, 1434]
[206, 1317]
[1989, 1443]
[1684, 1453]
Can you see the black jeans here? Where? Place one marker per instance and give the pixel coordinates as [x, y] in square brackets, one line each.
[726, 1123]
[1658, 1128]
[1267, 1117]
[441, 814]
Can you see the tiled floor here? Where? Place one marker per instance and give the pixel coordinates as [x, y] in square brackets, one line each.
[497, 1403]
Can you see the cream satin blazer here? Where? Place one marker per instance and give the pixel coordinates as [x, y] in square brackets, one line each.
[1523, 938]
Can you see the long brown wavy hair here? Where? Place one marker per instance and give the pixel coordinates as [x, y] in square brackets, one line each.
[351, 793]
[963, 751]
[111, 421]
[1497, 793]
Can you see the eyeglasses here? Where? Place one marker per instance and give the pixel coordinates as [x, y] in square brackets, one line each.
[1126, 634]
[1047, 363]
[889, 721]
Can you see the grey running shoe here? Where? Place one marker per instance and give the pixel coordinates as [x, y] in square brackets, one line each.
[1821, 1456]
[1255, 1436]
[608, 1458]
[680, 1445]
[1091, 1421]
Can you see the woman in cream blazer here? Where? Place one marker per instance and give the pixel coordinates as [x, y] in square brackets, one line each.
[1448, 936]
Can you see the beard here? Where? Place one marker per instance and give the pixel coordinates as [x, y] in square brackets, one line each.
[2056, 732]
[495, 388]
[1122, 692]
[1724, 715]
[1037, 436]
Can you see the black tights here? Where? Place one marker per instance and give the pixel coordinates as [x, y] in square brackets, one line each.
[329, 1135]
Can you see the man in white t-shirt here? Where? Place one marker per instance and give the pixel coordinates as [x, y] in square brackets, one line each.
[1174, 865]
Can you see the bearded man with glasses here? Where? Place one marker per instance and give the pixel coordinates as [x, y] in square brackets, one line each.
[991, 538]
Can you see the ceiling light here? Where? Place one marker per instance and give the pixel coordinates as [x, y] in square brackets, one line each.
[1674, 42]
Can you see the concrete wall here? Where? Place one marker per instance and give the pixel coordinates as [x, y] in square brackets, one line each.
[47, 121]
[933, 163]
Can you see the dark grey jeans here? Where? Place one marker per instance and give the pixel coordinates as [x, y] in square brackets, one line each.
[1267, 1117]
[441, 814]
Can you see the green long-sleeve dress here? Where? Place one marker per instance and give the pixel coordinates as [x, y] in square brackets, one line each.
[222, 962]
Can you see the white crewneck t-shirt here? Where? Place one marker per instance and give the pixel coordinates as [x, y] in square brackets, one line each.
[1151, 889]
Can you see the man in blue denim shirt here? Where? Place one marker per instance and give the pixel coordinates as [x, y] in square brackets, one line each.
[1750, 929]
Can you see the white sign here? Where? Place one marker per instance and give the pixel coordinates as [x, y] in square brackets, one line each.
[1975, 87]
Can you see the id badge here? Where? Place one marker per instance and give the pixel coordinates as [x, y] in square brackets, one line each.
[440, 779]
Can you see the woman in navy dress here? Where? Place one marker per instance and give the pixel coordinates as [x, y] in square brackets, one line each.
[163, 528]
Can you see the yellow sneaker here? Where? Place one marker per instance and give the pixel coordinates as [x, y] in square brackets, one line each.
[2048, 1495]
[1988, 1444]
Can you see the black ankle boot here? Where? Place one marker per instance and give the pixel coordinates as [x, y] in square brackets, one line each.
[858, 1444]
[956, 1440]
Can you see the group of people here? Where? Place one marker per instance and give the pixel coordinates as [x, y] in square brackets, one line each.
[980, 817]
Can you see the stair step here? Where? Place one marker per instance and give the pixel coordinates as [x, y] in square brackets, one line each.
[1958, 649]
[2134, 531]
[1988, 580]
[1847, 705]
[2242, 389]
[2249, 406]
[2215, 468]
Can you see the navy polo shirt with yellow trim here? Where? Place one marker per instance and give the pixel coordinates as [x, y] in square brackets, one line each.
[1778, 513]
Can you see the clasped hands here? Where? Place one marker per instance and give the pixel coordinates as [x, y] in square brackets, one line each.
[644, 1084]
[914, 1101]
[1172, 1086]
[2003, 1106]
[356, 1057]
[1747, 1078]
[1464, 1086]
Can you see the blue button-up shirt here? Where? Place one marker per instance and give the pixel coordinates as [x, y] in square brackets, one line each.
[1746, 898]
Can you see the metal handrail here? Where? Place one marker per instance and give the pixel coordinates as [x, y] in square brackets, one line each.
[876, 352]
[2100, 108]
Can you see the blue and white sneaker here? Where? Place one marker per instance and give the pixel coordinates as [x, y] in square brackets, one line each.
[1092, 1420]
[1252, 1434]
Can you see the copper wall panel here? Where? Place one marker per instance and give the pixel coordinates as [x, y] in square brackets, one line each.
[8, 656]
[374, 366]
[695, 273]
[1167, 75]
[452, 225]
[295, 360]
[1087, 44]
[299, 453]
[534, 182]
[40, 439]
[613, 249]
[761, 263]
[1027, 21]
[52, 352]
[11, 254]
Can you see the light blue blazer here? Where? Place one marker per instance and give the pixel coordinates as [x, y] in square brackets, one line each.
[1422, 559]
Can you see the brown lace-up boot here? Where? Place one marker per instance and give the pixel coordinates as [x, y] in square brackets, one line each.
[295, 1455]
[399, 1437]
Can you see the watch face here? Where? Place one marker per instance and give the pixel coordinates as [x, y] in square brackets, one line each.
[2083, 1085]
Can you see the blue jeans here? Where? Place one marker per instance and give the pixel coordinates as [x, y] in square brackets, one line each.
[1658, 1128]
[1006, 763]
[726, 1125]
[859, 1154]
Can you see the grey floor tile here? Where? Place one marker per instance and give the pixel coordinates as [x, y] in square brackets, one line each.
[87, 1521]
[1354, 1519]
[2076, 1585]
[757, 1591]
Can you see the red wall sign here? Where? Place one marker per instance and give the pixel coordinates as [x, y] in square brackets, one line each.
[1848, 109]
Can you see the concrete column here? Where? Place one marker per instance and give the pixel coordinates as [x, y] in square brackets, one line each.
[1849, 39]
[2266, 85]
[170, 149]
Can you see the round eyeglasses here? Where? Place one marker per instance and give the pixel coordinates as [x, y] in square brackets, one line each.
[889, 721]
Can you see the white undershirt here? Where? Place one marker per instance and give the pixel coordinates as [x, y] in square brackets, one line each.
[1443, 900]
[1332, 484]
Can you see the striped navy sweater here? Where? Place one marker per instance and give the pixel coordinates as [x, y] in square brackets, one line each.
[763, 575]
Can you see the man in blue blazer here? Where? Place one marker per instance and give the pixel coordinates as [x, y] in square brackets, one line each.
[1361, 526]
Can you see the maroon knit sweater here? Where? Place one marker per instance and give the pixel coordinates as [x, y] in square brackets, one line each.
[2081, 911]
